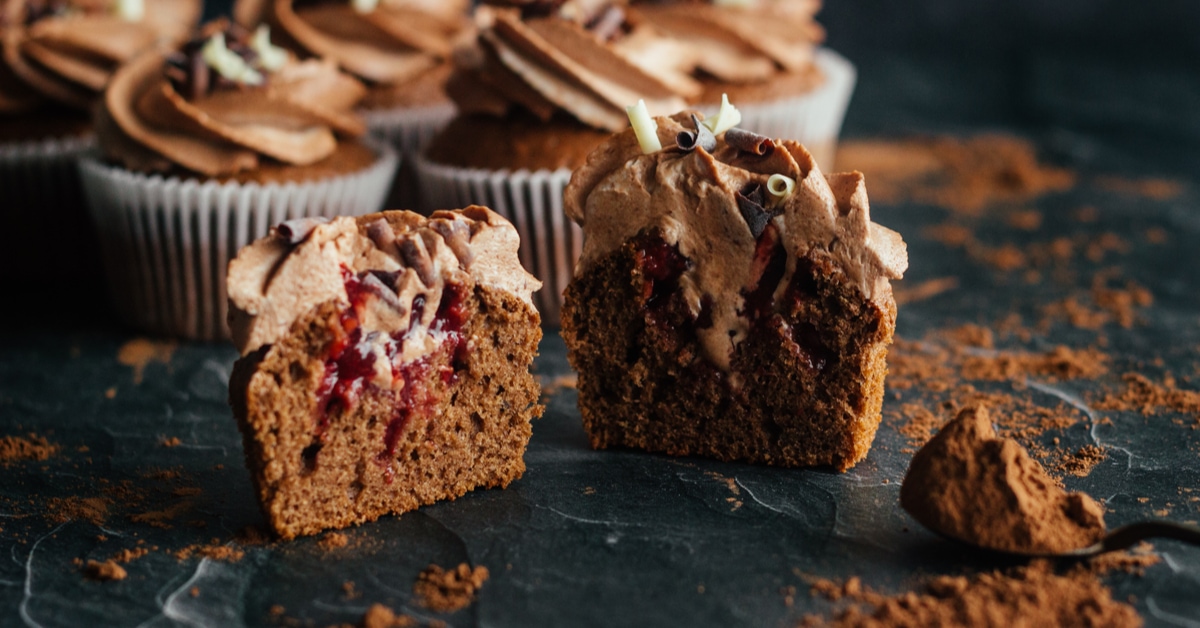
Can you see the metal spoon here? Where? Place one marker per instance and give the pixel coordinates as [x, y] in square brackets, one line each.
[1120, 538]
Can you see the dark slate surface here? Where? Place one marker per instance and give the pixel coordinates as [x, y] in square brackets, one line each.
[617, 537]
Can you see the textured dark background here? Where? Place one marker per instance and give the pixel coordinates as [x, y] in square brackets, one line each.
[618, 538]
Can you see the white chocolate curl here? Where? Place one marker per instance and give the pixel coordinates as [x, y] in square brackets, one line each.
[129, 10]
[781, 186]
[364, 6]
[644, 127]
[270, 57]
[228, 63]
[727, 117]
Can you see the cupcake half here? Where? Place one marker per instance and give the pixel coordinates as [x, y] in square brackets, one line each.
[201, 149]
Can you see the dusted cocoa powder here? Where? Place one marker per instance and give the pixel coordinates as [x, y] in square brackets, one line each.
[1025, 596]
[968, 484]
[28, 447]
[103, 571]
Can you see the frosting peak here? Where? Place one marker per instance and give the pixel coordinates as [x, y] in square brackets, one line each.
[715, 206]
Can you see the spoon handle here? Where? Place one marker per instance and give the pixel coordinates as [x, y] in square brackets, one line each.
[1129, 535]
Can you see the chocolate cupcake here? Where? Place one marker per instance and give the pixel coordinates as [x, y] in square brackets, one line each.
[764, 55]
[56, 57]
[201, 149]
[546, 83]
[400, 49]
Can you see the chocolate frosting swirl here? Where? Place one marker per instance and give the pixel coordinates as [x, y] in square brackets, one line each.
[749, 42]
[587, 60]
[400, 48]
[294, 117]
[709, 204]
[66, 51]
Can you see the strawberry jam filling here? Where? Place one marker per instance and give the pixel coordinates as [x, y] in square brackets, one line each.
[355, 359]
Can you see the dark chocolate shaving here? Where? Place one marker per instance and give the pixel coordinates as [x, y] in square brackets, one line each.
[380, 232]
[749, 142]
[607, 23]
[416, 258]
[373, 284]
[297, 230]
[702, 137]
[750, 200]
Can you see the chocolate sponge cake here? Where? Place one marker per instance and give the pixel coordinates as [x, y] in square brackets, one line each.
[731, 301]
[385, 363]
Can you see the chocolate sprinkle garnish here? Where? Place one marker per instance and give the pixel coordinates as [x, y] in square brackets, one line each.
[749, 142]
[750, 200]
[297, 230]
[191, 75]
[607, 23]
[702, 137]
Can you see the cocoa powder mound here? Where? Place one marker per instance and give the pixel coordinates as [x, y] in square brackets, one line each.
[968, 484]
[28, 447]
[446, 591]
[1026, 596]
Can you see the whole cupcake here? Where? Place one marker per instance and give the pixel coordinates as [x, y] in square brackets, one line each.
[401, 50]
[201, 150]
[766, 56]
[57, 57]
[546, 83]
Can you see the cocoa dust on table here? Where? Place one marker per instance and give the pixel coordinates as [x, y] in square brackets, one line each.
[1034, 595]
[104, 571]
[445, 590]
[28, 447]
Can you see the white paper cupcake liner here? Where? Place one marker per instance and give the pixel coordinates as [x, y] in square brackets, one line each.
[813, 119]
[39, 194]
[167, 242]
[408, 130]
[533, 203]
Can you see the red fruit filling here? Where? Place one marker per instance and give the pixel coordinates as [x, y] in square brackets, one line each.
[350, 362]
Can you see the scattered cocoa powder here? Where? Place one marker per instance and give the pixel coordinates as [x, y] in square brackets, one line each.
[968, 484]
[1025, 596]
[1144, 396]
[924, 290]
[349, 591]
[94, 510]
[380, 616]
[28, 447]
[104, 571]
[172, 441]
[1059, 363]
[1154, 189]
[964, 175]
[140, 352]
[333, 541]
[1081, 462]
[1134, 562]
[446, 591]
[214, 551]
[129, 555]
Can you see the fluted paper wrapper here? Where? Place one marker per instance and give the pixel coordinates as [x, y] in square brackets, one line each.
[533, 203]
[814, 118]
[408, 130]
[167, 242]
[39, 195]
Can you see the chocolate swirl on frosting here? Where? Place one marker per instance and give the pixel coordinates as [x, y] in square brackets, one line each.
[65, 51]
[711, 206]
[293, 115]
[400, 48]
[585, 59]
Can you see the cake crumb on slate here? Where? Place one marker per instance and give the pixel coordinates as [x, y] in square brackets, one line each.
[333, 540]
[104, 571]
[140, 352]
[446, 591]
